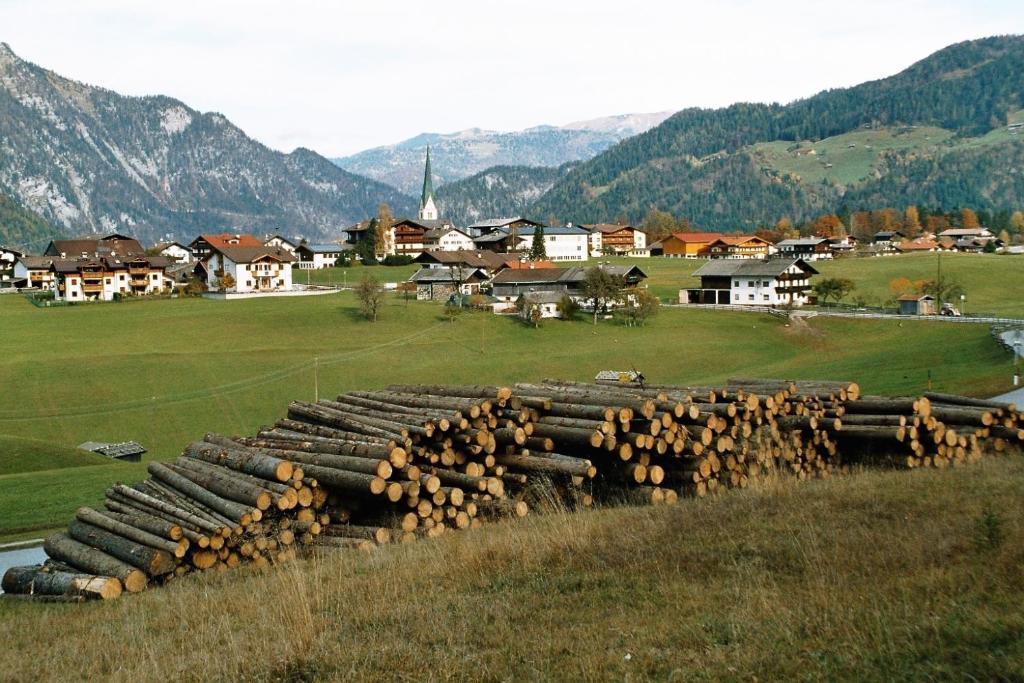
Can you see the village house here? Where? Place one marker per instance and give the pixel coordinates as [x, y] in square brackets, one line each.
[957, 234]
[740, 247]
[610, 238]
[686, 244]
[115, 246]
[747, 282]
[249, 268]
[488, 261]
[887, 238]
[564, 243]
[282, 242]
[106, 278]
[509, 284]
[447, 238]
[174, 251]
[806, 248]
[317, 256]
[439, 283]
[34, 272]
[506, 225]
[203, 246]
[8, 257]
[546, 302]
[846, 244]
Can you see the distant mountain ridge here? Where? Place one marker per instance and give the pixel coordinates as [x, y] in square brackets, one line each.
[90, 160]
[464, 153]
[497, 191]
[750, 164]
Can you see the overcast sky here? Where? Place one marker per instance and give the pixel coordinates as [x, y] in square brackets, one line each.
[340, 77]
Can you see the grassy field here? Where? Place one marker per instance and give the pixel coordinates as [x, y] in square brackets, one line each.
[165, 372]
[878, 576]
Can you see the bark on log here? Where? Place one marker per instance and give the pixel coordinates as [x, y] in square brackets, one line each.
[150, 560]
[85, 558]
[37, 580]
[114, 526]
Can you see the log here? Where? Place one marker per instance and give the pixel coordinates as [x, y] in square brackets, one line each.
[87, 559]
[263, 467]
[42, 581]
[236, 512]
[157, 504]
[150, 560]
[220, 481]
[114, 526]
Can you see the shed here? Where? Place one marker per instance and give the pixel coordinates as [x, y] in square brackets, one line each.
[129, 451]
[913, 304]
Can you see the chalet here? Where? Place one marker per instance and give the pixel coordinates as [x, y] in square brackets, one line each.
[740, 247]
[748, 282]
[203, 246]
[317, 256]
[967, 234]
[409, 235]
[174, 251]
[487, 261]
[282, 242]
[498, 241]
[108, 277]
[34, 272]
[916, 304]
[918, 245]
[447, 238]
[242, 269]
[565, 243]
[631, 275]
[438, 284]
[846, 244]
[508, 225]
[8, 257]
[806, 248]
[509, 284]
[111, 246]
[610, 238]
[687, 244]
[888, 238]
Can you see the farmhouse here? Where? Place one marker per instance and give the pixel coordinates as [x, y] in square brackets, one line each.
[806, 248]
[174, 251]
[437, 284]
[739, 247]
[509, 284]
[967, 234]
[243, 269]
[546, 302]
[203, 246]
[317, 256]
[610, 238]
[108, 277]
[771, 282]
[34, 272]
[687, 244]
[487, 261]
[887, 238]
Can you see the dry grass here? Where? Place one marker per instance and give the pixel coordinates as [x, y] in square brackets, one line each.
[878, 576]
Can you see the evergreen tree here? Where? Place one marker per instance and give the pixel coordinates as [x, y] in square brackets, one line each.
[538, 249]
[366, 247]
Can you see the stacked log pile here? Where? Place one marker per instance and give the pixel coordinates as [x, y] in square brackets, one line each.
[412, 461]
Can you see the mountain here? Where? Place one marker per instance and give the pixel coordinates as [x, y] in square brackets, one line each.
[92, 161]
[498, 191]
[465, 153]
[23, 229]
[935, 134]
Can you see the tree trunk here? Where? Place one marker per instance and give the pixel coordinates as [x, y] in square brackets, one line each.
[150, 560]
[42, 581]
[63, 548]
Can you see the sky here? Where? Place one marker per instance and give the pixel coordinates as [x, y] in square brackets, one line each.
[339, 77]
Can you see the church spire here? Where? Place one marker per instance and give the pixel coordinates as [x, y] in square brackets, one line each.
[428, 211]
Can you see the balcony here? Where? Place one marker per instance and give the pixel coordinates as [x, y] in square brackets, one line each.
[92, 287]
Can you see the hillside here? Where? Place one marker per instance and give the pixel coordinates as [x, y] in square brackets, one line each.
[750, 164]
[21, 228]
[459, 155]
[498, 191]
[878, 576]
[89, 160]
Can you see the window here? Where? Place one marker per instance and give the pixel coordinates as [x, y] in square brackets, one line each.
[107, 280]
[750, 297]
[248, 283]
[121, 278]
[736, 296]
[750, 283]
[764, 283]
[765, 297]
[74, 295]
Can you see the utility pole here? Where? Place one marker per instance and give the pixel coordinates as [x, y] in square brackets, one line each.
[316, 379]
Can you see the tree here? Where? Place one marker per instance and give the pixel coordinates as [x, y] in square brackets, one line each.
[658, 224]
[835, 288]
[640, 305]
[601, 288]
[969, 219]
[568, 308]
[226, 283]
[534, 314]
[366, 247]
[828, 225]
[943, 288]
[382, 239]
[371, 297]
[911, 222]
[538, 250]
[1017, 222]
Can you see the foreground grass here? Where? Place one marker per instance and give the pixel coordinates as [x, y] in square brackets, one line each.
[877, 576]
[26, 455]
[165, 372]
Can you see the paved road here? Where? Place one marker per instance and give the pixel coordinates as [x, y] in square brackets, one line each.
[1016, 396]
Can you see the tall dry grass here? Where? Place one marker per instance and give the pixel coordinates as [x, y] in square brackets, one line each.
[878, 576]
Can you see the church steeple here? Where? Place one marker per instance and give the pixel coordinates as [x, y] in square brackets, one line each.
[428, 211]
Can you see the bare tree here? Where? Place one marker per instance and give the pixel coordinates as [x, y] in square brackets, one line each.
[371, 297]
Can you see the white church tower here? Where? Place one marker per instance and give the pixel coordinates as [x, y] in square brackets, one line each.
[428, 210]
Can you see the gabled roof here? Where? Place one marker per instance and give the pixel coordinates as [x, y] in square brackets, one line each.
[526, 264]
[437, 233]
[115, 245]
[12, 250]
[735, 240]
[965, 232]
[477, 259]
[606, 228]
[492, 223]
[320, 248]
[282, 238]
[36, 262]
[448, 274]
[915, 297]
[425, 223]
[919, 244]
[248, 254]
[751, 267]
[511, 276]
[802, 242]
[160, 246]
[695, 236]
[228, 239]
[528, 230]
[496, 236]
[579, 273]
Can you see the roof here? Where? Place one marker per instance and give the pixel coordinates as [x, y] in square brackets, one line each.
[528, 230]
[496, 236]
[481, 258]
[695, 236]
[447, 274]
[511, 276]
[964, 232]
[802, 242]
[751, 267]
[918, 245]
[248, 254]
[437, 233]
[500, 222]
[36, 262]
[11, 250]
[166, 245]
[425, 223]
[321, 248]
[280, 237]
[526, 264]
[228, 239]
[606, 228]
[733, 240]
[113, 246]
[579, 273]
[887, 233]
[106, 263]
[915, 297]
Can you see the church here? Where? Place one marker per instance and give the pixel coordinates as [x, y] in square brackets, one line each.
[411, 236]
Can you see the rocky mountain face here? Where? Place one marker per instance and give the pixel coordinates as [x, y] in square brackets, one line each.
[89, 160]
[497, 192]
[459, 155]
